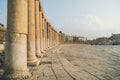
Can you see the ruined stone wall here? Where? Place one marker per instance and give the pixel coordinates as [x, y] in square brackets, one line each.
[2, 34]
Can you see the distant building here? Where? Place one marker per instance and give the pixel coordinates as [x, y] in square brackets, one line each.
[114, 39]
[74, 39]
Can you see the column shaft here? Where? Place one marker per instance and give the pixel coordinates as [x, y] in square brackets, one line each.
[44, 40]
[37, 28]
[45, 29]
[32, 59]
[16, 42]
[41, 33]
[48, 36]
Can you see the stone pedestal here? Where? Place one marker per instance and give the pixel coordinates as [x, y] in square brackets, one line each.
[16, 42]
[31, 56]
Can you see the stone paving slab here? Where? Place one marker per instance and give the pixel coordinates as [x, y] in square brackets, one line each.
[50, 68]
[89, 63]
[93, 62]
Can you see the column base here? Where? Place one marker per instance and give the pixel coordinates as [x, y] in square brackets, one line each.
[40, 55]
[35, 62]
[43, 52]
[18, 75]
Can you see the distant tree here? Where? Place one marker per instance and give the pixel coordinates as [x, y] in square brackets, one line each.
[2, 25]
[60, 32]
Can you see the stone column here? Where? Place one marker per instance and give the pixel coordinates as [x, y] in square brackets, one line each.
[48, 35]
[44, 28]
[37, 28]
[32, 59]
[16, 43]
[52, 37]
[45, 34]
[60, 38]
[57, 38]
[41, 33]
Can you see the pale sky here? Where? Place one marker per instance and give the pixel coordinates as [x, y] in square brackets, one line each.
[89, 18]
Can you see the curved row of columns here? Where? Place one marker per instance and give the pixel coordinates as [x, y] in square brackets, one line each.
[29, 35]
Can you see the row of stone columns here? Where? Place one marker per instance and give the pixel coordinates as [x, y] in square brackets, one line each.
[29, 36]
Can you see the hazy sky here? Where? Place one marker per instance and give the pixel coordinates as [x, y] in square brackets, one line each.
[3, 11]
[90, 18]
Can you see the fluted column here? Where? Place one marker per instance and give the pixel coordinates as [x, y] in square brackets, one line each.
[16, 43]
[37, 28]
[32, 59]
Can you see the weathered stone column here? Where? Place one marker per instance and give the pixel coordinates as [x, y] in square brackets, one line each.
[32, 59]
[58, 39]
[48, 35]
[52, 37]
[37, 28]
[45, 34]
[41, 33]
[55, 38]
[16, 43]
[44, 29]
